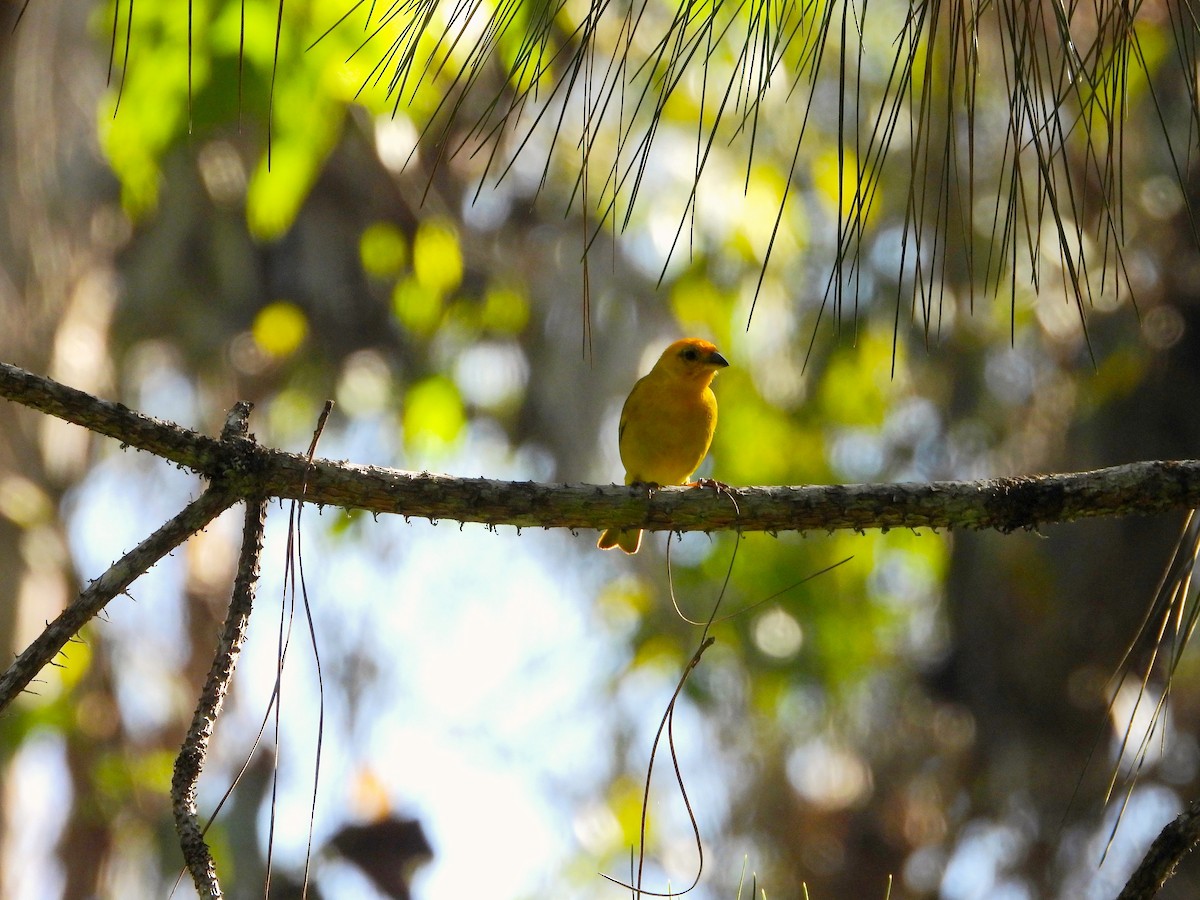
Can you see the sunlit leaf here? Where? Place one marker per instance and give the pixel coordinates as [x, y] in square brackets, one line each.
[701, 308]
[437, 257]
[280, 328]
[858, 382]
[433, 413]
[417, 307]
[505, 310]
[383, 250]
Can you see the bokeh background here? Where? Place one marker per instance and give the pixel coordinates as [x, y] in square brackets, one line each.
[945, 241]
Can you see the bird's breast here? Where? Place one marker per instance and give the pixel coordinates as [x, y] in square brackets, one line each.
[666, 434]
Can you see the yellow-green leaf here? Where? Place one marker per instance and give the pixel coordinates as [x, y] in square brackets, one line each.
[417, 307]
[433, 413]
[280, 328]
[383, 250]
[437, 257]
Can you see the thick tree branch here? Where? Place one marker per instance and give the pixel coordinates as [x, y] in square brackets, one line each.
[1005, 504]
[247, 470]
[196, 451]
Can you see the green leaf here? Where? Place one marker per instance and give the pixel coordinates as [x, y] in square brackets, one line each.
[437, 257]
[433, 414]
[383, 250]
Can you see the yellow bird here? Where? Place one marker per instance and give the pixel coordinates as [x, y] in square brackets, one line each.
[667, 424]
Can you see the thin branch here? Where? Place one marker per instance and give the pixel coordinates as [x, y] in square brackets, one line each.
[190, 762]
[1172, 844]
[127, 569]
[115, 581]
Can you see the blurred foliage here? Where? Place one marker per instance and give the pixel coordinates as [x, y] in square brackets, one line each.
[279, 329]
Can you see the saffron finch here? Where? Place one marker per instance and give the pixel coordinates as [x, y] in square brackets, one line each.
[667, 424]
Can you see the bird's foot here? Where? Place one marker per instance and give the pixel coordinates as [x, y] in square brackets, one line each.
[719, 486]
[648, 486]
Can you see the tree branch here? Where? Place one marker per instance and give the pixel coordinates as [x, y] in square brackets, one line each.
[190, 762]
[247, 470]
[1004, 504]
[1173, 843]
[196, 451]
[114, 581]
[124, 571]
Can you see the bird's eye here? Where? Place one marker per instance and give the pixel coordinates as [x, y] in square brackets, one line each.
[691, 354]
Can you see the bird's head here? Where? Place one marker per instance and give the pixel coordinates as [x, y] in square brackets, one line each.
[693, 358]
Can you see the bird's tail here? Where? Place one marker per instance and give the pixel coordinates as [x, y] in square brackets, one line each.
[628, 539]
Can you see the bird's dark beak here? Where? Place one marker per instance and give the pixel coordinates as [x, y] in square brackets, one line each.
[716, 359]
